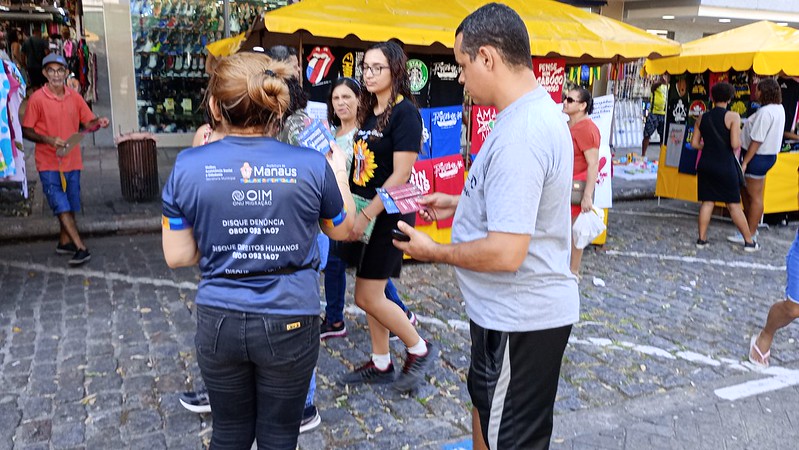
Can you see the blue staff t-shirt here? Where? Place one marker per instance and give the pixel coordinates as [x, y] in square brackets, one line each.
[255, 205]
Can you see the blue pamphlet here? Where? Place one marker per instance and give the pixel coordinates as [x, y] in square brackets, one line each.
[388, 202]
[316, 136]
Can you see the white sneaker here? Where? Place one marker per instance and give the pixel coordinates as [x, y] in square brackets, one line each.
[738, 238]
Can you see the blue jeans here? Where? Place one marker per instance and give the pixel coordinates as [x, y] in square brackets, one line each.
[336, 288]
[257, 369]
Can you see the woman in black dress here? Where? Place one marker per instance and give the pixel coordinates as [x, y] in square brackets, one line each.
[719, 178]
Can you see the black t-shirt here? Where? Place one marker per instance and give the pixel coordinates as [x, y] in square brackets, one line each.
[34, 49]
[373, 160]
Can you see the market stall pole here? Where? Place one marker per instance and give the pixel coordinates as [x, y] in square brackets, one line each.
[556, 31]
[764, 48]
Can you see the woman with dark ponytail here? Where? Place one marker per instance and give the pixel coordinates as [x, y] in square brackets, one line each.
[247, 209]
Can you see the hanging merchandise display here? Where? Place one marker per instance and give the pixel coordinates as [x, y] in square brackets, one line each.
[551, 74]
[169, 39]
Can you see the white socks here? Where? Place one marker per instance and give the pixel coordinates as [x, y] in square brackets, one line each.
[420, 349]
[382, 361]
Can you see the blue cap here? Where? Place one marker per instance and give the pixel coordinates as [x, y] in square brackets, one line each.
[54, 58]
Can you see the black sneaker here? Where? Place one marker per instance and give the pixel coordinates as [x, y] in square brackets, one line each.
[66, 249]
[700, 244]
[310, 419]
[412, 375]
[196, 401]
[751, 247]
[411, 317]
[369, 373]
[80, 257]
[329, 330]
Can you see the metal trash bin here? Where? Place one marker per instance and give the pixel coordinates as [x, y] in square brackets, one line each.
[138, 169]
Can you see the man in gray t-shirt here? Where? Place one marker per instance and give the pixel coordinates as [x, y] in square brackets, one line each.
[510, 237]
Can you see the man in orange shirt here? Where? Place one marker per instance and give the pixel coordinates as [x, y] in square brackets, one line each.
[55, 113]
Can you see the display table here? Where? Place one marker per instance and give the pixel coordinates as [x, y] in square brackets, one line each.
[780, 193]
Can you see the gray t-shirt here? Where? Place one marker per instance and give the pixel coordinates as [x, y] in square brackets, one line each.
[521, 183]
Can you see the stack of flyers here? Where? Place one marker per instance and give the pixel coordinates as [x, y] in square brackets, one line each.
[401, 199]
[316, 136]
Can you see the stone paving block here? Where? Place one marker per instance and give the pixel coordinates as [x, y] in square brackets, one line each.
[32, 431]
[139, 421]
[35, 407]
[69, 412]
[67, 435]
[153, 441]
[104, 401]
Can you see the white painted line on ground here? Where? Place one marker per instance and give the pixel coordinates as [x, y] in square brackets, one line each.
[779, 377]
[693, 259]
[83, 272]
[652, 214]
[759, 386]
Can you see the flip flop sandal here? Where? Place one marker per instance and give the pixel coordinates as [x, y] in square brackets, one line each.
[763, 363]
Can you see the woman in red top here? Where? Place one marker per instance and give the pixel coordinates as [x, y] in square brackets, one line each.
[585, 137]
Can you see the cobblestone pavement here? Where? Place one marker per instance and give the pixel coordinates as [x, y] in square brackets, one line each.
[94, 357]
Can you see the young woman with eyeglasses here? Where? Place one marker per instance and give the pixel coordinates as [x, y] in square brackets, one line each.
[342, 113]
[385, 149]
[578, 104]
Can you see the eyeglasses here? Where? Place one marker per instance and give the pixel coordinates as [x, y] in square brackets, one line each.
[570, 100]
[56, 71]
[374, 70]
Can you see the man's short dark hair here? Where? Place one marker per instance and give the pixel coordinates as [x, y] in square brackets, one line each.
[498, 26]
[722, 92]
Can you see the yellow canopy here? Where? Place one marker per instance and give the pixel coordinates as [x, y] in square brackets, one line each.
[555, 29]
[765, 47]
[227, 46]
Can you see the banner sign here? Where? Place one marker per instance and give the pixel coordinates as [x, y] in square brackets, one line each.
[551, 73]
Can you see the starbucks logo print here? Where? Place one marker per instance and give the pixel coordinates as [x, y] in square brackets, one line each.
[418, 74]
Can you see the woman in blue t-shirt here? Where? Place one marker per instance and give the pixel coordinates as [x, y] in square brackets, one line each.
[385, 149]
[247, 209]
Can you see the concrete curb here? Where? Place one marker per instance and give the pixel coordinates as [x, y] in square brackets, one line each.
[47, 227]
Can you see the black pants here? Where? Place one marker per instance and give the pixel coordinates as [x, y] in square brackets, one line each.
[257, 369]
[513, 380]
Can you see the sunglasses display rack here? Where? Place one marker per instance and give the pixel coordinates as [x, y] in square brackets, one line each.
[169, 39]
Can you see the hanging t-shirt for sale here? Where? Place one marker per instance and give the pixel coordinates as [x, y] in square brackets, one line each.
[419, 74]
[373, 151]
[444, 87]
[321, 66]
[427, 142]
[445, 130]
[254, 206]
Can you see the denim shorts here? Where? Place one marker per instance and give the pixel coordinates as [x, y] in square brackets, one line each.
[792, 269]
[759, 165]
[61, 202]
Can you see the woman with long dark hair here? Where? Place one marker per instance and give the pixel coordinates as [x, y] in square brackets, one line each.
[761, 141]
[386, 147]
[342, 114]
[250, 223]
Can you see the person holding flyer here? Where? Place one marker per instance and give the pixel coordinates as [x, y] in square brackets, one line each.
[342, 112]
[386, 147]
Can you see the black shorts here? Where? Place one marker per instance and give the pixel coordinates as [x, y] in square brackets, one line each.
[513, 380]
[379, 259]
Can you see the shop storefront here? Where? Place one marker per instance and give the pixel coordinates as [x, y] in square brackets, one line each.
[157, 60]
[761, 49]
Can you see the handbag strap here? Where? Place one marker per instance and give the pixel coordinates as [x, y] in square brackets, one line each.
[715, 131]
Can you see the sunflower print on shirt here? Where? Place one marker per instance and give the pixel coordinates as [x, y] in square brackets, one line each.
[363, 163]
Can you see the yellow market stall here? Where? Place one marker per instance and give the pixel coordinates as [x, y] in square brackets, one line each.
[765, 48]
[555, 29]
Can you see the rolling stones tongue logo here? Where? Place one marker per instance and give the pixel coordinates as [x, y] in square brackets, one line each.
[319, 62]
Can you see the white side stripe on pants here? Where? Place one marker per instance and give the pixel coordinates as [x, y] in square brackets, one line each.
[498, 402]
